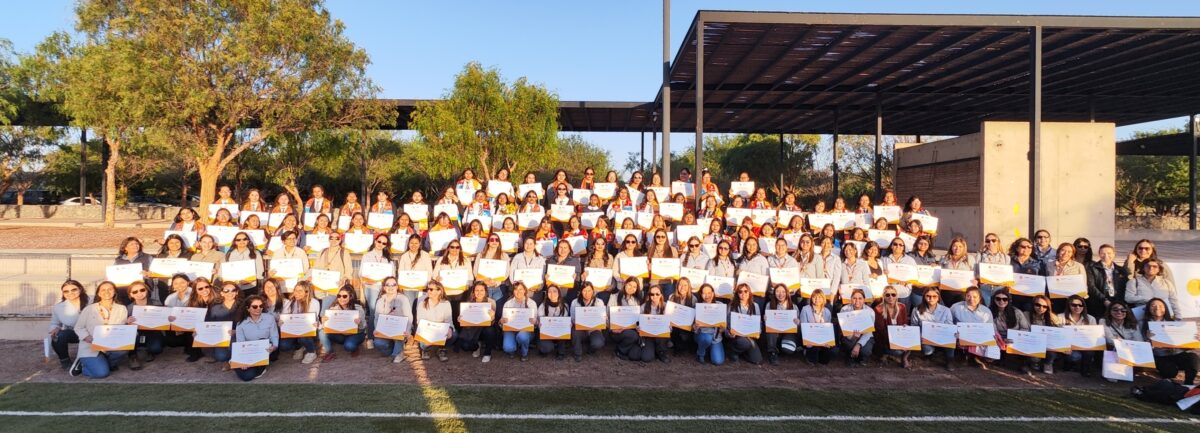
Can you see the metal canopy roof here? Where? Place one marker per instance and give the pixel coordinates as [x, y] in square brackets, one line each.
[603, 116]
[932, 74]
[1157, 145]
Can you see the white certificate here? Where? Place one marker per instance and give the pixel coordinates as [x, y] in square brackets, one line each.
[816, 334]
[654, 326]
[199, 269]
[326, 281]
[901, 273]
[491, 269]
[213, 208]
[645, 220]
[904, 337]
[605, 190]
[257, 237]
[757, 282]
[246, 354]
[688, 189]
[392, 327]
[545, 248]
[187, 318]
[741, 189]
[682, 316]
[694, 276]
[189, 237]
[298, 325]
[762, 217]
[562, 276]
[1026, 343]
[212, 334]
[723, 286]
[432, 333]
[927, 276]
[910, 241]
[1028, 285]
[274, 220]
[375, 272]
[418, 213]
[524, 189]
[561, 212]
[123, 275]
[621, 318]
[1175, 335]
[578, 244]
[475, 314]
[591, 318]
[497, 187]
[1087, 337]
[664, 268]
[1112, 368]
[1058, 339]
[892, 213]
[685, 232]
[518, 319]
[288, 268]
[808, 285]
[529, 220]
[883, 238]
[357, 243]
[315, 243]
[633, 267]
[860, 321]
[440, 239]
[955, 280]
[455, 281]
[939, 334]
[152, 318]
[472, 245]
[781, 321]
[114, 338]
[581, 196]
[588, 219]
[222, 235]
[1063, 286]
[601, 278]
[166, 267]
[671, 211]
[817, 220]
[399, 242]
[242, 271]
[711, 315]
[531, 277]
[450, 209]
[341, 321]
[734, 216]
[976, 334]
[309, 221]
[554, 328]
[661, 192]
[509, 241]
[789, 276]
[412, 280]
[996, 274]
[784, 218]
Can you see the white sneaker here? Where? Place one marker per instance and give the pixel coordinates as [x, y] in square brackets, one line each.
[298, 354]
[399, 359]
[309, 358]
[487, 358]
[476, 353]
[370, 344]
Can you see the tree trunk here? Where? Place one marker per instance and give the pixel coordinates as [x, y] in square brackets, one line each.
[110, 183]
[292, 190]
[210, 172]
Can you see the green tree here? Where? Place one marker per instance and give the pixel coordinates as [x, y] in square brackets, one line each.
[485, 118]
[204, 70]
[8, 84]
[1156, 183]
[576, 154]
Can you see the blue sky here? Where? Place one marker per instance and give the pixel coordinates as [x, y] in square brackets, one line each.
[601, 50]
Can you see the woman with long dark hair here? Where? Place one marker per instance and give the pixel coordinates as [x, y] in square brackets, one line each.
[63, 317]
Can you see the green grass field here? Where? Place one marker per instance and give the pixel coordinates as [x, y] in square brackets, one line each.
[556, 400]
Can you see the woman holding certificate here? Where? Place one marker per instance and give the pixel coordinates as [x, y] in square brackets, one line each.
[891, 312]
[454, 260]
[648, 348]
[1144, 251]
[1064, 264]
[256, 325]
[243, 249]
[1077, 315]
[381, 252]
[563, 257]
[186, 220]
[1042, 316]
[957, 259]
[414, 258]
[301, 302]
[896, 255]
[517, 336]
[391, 303]
[630, 295]
[1170, 361]
[527, 259]
[223, 309]
[130, 253]
[336, 259]
[1108, 281]
[492, 251]
[479, 338]
[991, 253]
[63, 318]
[854, 270]
[660, 248]
[553, 306]
[932, 310]
[91, 361]
[433, 307]
[681, 339]
[291, 251]
[1150, 283]
[972, 310]
[775, 342]
[149, 339]
[857, 343]
[816, 312]
[350, 340]
[206, 252]
[1007, 316]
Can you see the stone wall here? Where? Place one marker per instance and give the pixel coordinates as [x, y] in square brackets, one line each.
[85, 212]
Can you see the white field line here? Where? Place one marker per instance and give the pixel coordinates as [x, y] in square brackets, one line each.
[580, 417]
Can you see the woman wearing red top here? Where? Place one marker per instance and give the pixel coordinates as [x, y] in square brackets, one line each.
[351, 207]
[382, 204]
[759, 201]
[864, 204]
[890, 312]
[708, 187]
[254, 202]
[789, 203]
[589, 179]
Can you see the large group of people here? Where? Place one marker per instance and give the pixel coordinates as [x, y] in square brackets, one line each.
[504, 265]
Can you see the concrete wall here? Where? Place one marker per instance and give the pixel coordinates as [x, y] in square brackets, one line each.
[953, 220]
[85, 212]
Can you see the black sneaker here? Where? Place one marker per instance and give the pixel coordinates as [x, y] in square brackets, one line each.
[261, 373]
[194, 357]
[774, 359]
[76, 368]
[66, 363]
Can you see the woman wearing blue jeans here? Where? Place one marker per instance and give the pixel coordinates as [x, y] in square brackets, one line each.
[301, 302]
[105, 311]
[514, 340]
[63, 319]
[708, 339]
[346, 301]
[392, 303]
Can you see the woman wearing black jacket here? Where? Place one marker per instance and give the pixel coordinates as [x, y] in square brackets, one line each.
[1106, 281]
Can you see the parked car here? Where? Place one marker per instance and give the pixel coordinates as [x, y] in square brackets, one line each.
[76, 201]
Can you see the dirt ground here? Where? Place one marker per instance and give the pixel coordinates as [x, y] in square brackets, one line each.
[26, 237]
[25, 362]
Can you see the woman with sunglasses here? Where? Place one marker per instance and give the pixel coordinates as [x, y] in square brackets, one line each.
[660, 247]
[932, 310]
[391, 302]
[1077, 315]
[243, 249]
[972, 310]
[1006, 316]
[817, 311]
[223, 309]
[255, 325]
[1041, 315]
[434, 307]
[586, 341]
[890, 312]
[104, 311]
[519, 340]
[993, 254]
[335, 258]
[1120, 324]
[453, 260]
[63, 318]
[647, 349]
[774, 343]
[556, 186]
[1149, 284]
[492, 251]
[553, 306]
[301, 301]
[896, 255]
[346, 300]
[149, 340]
[1169, 361]
[1144, 251]
[479, 340]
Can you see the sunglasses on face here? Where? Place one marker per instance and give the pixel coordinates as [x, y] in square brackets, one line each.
[343, 296]
[1041, 306]
[723, 248]
[656, 294]
[889, 295]
[493, 241]
[199, 288]
[660, 237]
[1001, 299]
[232, 290]
[241, 240]
[1119, 310]
[381, 242]
[390, 285]
[453, 247]
[71, 290]
[256, 306]
[1083, 247]
[134, 292]
[630, 242]
[1076, 305]
[694, 245]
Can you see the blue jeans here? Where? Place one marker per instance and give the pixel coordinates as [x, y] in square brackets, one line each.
[290, 344]
[513, 340]
[99, 367]
[349, 342]
[496, 293]
[389, 347]
[221, 354]
[248, 374]
[371, 291]
[705, 346]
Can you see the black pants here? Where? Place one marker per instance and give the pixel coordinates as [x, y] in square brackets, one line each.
[683, 341]
[589, 341]
[180, 339]
[626, 341]
[558, 347]
[483, 338]
[745, 348]
[818, 355]
[773, 343]
[61, 341]
[1169, 366]
[648, 349]
[248, 374]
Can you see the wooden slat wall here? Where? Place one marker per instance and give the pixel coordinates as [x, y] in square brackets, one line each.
[953, 183]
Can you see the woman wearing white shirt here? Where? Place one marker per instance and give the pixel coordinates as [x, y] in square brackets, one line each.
[290, 251]
[434, 308]
[589, 341]
[391, 303]
[932, 310]
[896, 255]
[514, 340]
[832, 262]
[301, 302]
[1150, 284]
[816, 312]
[105, 311]
[479, 340]
[855, 271]
[858, 345]
[380, 252]
[553, 306]
[527, 259]
[63, 319]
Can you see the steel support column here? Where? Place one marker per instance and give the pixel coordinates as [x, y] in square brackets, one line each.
[782, 165]
[836, 124]
[82, 165]
[699, 107]
[1035, 118]
[878, 147]
[1192, 172]
[666, 92]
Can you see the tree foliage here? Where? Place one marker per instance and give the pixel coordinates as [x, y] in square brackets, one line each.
[486, 123]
